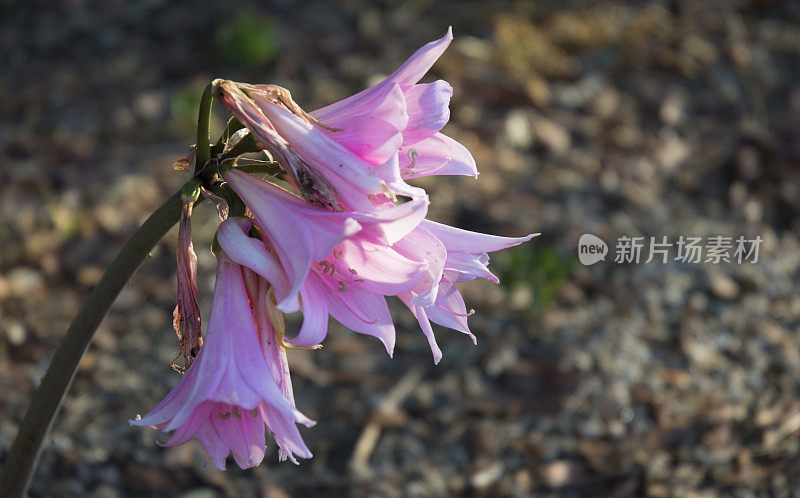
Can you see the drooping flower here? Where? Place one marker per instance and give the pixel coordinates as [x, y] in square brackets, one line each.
[230, 392]
[366, 145]
[349, 283]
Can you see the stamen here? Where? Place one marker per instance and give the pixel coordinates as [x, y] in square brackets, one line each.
[470, 313]
[255, 412]
[236, 412]
[412, 154]
[338, 253]
[353, 271]
[224, 416]
[342, 286]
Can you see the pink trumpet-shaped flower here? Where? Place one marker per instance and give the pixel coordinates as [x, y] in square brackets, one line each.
[367, 144]
[271, 330]
[230, 393]
[302, 234]
[348, 284]
[406, 114]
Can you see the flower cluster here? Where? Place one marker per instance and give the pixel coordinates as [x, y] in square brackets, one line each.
[333, 232]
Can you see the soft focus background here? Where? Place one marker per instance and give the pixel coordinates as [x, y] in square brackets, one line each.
[643, 118]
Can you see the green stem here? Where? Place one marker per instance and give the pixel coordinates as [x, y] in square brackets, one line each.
[24, 453]
[203, 123]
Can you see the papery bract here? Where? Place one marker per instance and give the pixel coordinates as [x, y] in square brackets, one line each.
[187, 309]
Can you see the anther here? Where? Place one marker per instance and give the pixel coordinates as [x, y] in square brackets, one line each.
[342, 287]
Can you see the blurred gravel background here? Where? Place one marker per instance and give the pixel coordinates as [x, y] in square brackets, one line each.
[645, 118]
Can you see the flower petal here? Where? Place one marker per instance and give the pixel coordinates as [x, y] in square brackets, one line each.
[299, 232]
[251, 253]
[315, 314]
[449, 309]
[422, 245]
[363, 312]
[375, 268]
[320, 151]
[428, 110]
[437, 155]
[464, 266]
[408, 74]
[373, 140]
[390, 223]
[456, 239]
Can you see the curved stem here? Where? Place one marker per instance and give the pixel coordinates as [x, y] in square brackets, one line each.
[203, 123]
[24, 453]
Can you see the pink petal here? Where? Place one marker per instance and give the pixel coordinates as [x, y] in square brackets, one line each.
[425, 324]
[437, 155]
[299, 232]
[242, 432]
[166, 409]
[390, 223]
[285, 433]
[408, 74]
[449, 309]
[376, 268]
[315, 314]
[373, 140]
[213, 444]
[422, 245]
[456, 239]
[381, 119]
[192, 426]
[390, 173]
[320, 151]
[423, 59]
[251, 253]
[428, 110]
[463, 266]
[363, 312]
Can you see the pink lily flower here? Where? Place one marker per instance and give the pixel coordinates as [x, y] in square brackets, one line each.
[229, 394]
[348, 284]
[271, 329]
[377, 112]
[388, 132]
[303, 235]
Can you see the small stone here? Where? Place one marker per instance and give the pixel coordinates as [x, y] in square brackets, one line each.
[518, 129]
[487, 476]
[559, 473]
[16, 333]
[723, 286]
